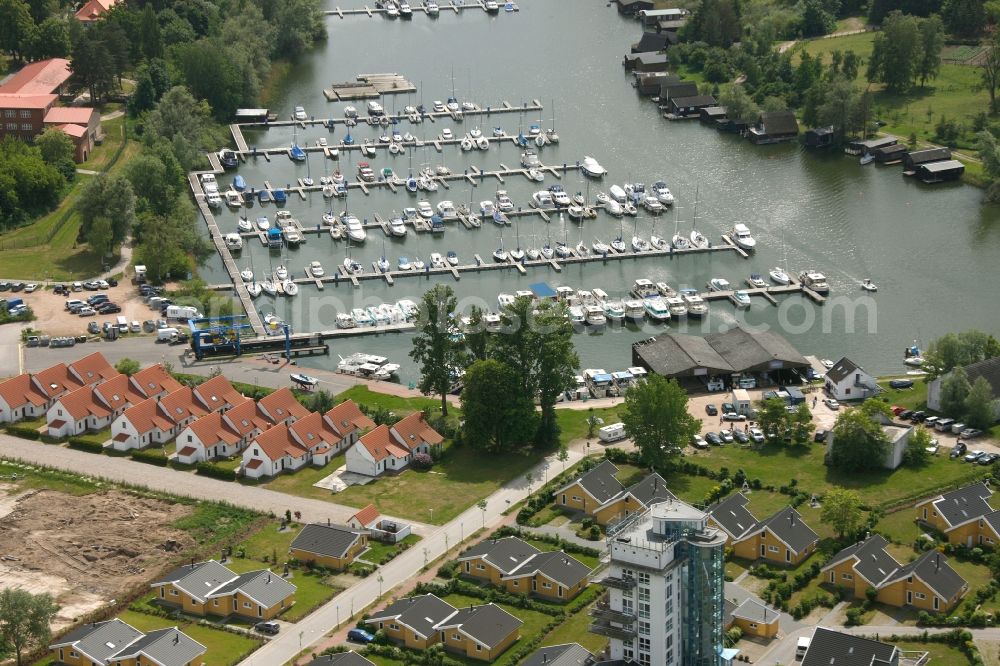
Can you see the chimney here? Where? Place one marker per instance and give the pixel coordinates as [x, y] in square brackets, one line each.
[545, 657]
[177, 639]
[937, 562]
[268, 578]
[328, 522]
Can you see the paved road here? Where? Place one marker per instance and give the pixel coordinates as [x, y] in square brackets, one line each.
[312, 628]
[186, 484]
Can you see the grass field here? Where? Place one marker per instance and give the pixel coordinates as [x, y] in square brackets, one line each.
[224, 648]
[378, 551]
[940, 655]
[575, 630]
[953, 94]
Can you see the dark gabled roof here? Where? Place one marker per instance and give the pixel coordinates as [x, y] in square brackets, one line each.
[654, 58]
[989, 370]
[932, 568]
[754, 611]
[350, 658]
[266, 588]
[676, 354]
[755, 351]
[488, 625]
[600, 482]
[787, 525]
[871, 560]
[198, 580]
[169, 647]
[727, 613]
[717, 112]
[843, 368]
[928, 155]
[993, 520]
[693, 100]
[568, 654]
[678, 88]
[889, 150]
[329, 540]
[556, 566]
[505, 554]
[650, 41]
[833, 648]
[100, 640]
[779, 122]
[733, 516]
[651, 489]
[421, 614]
[964, 504]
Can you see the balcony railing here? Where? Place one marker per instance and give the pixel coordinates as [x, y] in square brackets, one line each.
[617, 582]
[604, 629]
[605, 612]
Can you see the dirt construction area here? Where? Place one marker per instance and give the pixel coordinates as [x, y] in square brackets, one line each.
[85, 551]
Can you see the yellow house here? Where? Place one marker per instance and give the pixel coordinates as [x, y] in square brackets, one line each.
[115, 642]
[492, 559]
[554, 576]
[480, 632]
[964, 516]
[755, 619]
[928, 583]
[599, 494]
[330, 546]
[209, 588]
[783, 539]
[412, 621]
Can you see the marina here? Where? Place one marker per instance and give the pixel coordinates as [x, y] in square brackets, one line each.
[456, 6]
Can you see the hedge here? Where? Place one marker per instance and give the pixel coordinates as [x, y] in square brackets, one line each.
[215, 471]
[85, 445]
[455, 586]
[23, 432]
[153, 458]
[566, 546]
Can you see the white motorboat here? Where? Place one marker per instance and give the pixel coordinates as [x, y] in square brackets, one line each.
[336, 232]
[617, 193]
[350, 112]
[594, 315]
[504, 203]
[577, 316]
[437, 261]
[355, 230]
[662, 192]
[361, 318]
[652, 204]
[634, 310]
[536, 175]
[636, 192]
[292, 235]
[214, 200]
[678, 309]
[914, 361]
[405, 11]
[446, 209]
[244, 225]
[486, 208]
[696, 305]
[308, 181]
[345, 320]
[316, 269]
[234, 199]
[447, 134]
[815, 281]
[234, 242]
[492, 7]
[281, 273]
[741, 236]
[492, 321]
[268, 287]
[541, 199]
[756, 281]
[698, 239]
[656, 309]
[644, 288]
[375, 109]
[559, 196]
[397, 227]
[529, 159]
[575, 212]
[300, 114]
[253, 289]
[719, 284]
[452, 257]
[614, 311]
[246, 275]
[868, 285]
[639, 244]
[592, 168]
[613, 208]
[475, 133]
[424, 209]
[382, 264]
[867, 158]
[403, 263]
[289, 288]
[482, 143]
[778, 274]
[740, 298]
[395, 148]
[629, 209]
[665, 290]
[391, 9]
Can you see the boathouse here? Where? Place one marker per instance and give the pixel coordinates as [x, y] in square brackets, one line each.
[633, 7]
[648, 83]
[676, 88]
[650, 42]
[651, 17]
[889, 154]
[819, 137]
[711, 115]
[684, 107]
[936, 172]
[862, 146]
[774, 127]
[915, 158]
[646, 62]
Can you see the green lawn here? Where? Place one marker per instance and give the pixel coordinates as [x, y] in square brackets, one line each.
[573, 422]
[451, 486]
[900, 525]
[302, 482]
[224, 648]
[534, 621]
[544, 546]
[402, 406]
[940, 654]
[575, 630]
[379, 552]
[29, 477]
[911, 398]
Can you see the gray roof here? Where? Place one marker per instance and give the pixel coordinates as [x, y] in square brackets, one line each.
[927, 155]
[754, 611]
[568, 654]
[755, 351]
[421, 614]
[169, 647]
[943, 165]
[329, 540]
[733, 516]
[728, 608]
[677, 88]
[600, 482]
[266, 588]
[989, 370]
[650, 41]
[651, 489]
[100, 640]
[832, 648]
[488, 625]
[505, 554]
[779, 122]
[841, 369]
[872, 561]
[993, 519]
[557, 566]
[350, 658]
[932, 568]
[693, 100]
[736, 350]
[964, 504]
[651, 58]
[787, 525]
[198, 580]
[675, 354]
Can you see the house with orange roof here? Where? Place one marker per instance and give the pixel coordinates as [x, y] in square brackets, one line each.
[217, 394]
[76, 412]
[245, 421]
[142, 425]
[81, 123]
[281, 407]
[20, 398]
[182, 407]
[391, 448]
[313, 434]
[154, 381]
[364, 519]
[91, 369]
[207, 438]
[94, 10]
[348, 420]
[53, 381]
[272, 452]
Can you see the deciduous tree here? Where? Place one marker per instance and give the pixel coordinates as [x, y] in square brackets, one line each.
[954, 349]
[955, 389]
[801, 425]
[859, 442]
[916, 453]
[896, 52]
[980, 405]
[842, 510]
[773, 419]
[990, 69]
[17, 28]
[51, 40]
[24, 620]
[434, 347]
[656, 418]
[964, 18]
[128, 366]
[931, 43]
[497, 416]
[111, 197]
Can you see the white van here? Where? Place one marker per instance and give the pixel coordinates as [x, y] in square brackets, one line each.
[612, 432]
[748, 382]
[715, 384]
[122, 323]
[802, 647]
[166, 334]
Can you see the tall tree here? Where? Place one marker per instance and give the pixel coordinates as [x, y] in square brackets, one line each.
[715, 22]
[895, 52]
[16, 27]
[24, 619]
[980, 405]
[51, 40]
[842, 510]
[955, 389]
[150, 40]
[111, 197]
[990, 69]
[954, 349]
[657, 420]
[57, 150]
[476, 337]
[93, 64]
[931, 43]
[739, 105]
[801, 424]
[100, 236]
[181, 120]
[773, 419]
[497, 416]
[434, 347]
[859, 442]
[964, 18]
[211, 74]
[916, 453]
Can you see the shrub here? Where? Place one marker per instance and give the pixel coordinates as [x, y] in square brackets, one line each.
[23, 432]
[595, 533]
[154, 457]
[422, 461]
[215, 471]
[85, 445]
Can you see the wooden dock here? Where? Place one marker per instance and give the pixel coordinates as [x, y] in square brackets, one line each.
[369, 86]
[371, 12]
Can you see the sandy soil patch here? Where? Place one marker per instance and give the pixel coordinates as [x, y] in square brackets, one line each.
[86, 550]
[52, 318]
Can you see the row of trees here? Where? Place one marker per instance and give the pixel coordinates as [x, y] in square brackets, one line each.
[33, 178]
[531, 358]
[969, 402]
[907, 49]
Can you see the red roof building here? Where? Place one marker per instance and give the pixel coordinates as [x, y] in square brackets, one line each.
[94, 10]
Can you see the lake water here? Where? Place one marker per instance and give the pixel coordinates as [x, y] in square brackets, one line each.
[933, 251]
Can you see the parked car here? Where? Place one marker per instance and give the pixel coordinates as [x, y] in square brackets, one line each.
[757, 435]
[918, 416]
[957, 450]
[77, 286]
[970, 433]
[16, 286]
[93, 328]
[733, 416]
[712, 438]
[957, 428]
[60, 289]
[831, 403]
[62, 342]
[973, 456]
[30, 287]
[988, 458]
[359, 636]
[110, 308]
[728, 407]
[4, 285]
[112, 282]
[269, 628]
[905, 414]
[934, 447]
[699, 442]
[86, 311]
[726, 436]
[901, 383]
[711, 410]
[741, 436]
[32, 341]
[819, 436]
[135, 327]
[149, 326]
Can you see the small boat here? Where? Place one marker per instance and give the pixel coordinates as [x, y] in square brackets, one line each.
[466, 144]
[814, 280]
[578, 199]
[600, 247]
[536, 175]
[431, 8]
[677, 307]
[517, 254]
[662, 192]
[577, 317]
[234, 241]
[594, 315]
[575, 212]
[397, 227]
[244, 225]
[634, 310]
[778, 274]
[366, 173]
[368, 148]
[492, 7]
[541, 199]
[375, 109]
[540, 140]
[867, 158]
[403, 264]
[756, 281]
[391, 9]
[442, 170]
[534, 130]
[559, 196]
[279, 196]
[268, 287]
[504, 203]
[382, 264]
[352, 266]
[214, 200]
[639, 244]
[501, 254]
[529, 159]
[424, 209]
[644, 288]
[446, 134]
[652, 204]
[418, 264]
[446, 209]
[826, 363]
[412, 185]
[740, 298]
[698, 239]
[718, 284]
[592, 168]
[281, 273]
[486, 208]
[482, 143]
[562, 250]
[547, 251]
[395, 148]
[239, 183]
[228, 158]
[296, 153]
[618, 244]
[868, 285]
[475, 133]
[253, 289]
[290, 288]
[355, 230]
[532, 254]
[551, 136]
[316, 269]
[498, 131]
[656, 309]
[613, 208]
[696, 305]
[741, 236]
[469, 106]
[914, 361]
[292, 235]
[249, 196]
[246, 275]
[452, 258]
[345, 320]
[308, 182]
[336, 232]
[617, 193]
[405, 11]
[678, 242]
[437, 261]
[329, 191]
[348, 140]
